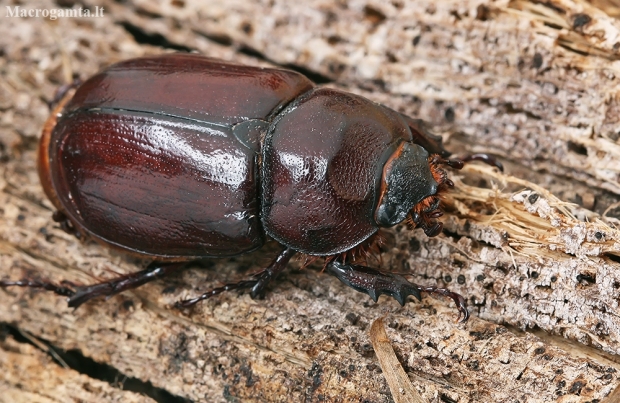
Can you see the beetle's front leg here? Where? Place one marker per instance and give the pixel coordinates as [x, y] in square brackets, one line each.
[486, 158]
[375, 282]
[433, 144]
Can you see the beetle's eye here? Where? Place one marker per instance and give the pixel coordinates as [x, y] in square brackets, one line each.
[390, 213]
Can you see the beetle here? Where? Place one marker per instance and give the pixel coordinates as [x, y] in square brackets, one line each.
[180, 157]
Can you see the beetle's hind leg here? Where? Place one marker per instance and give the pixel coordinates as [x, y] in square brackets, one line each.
[64, 289]
[129, 281]
[257, 284]
[374, 283]
[81, 294]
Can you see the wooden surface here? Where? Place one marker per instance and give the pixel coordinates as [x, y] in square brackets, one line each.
[533, 82]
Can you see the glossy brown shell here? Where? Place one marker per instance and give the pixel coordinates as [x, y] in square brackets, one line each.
[323, 160]
[158, 155]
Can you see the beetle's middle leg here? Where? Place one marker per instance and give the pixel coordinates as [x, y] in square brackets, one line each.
[257, 284]
[374, 283]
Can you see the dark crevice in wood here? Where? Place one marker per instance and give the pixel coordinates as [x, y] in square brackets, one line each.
[566, 45]
[586, 277]
[244, 49]
[89, 367]
[577, 148]
[149, 38]
[155, 39]
[317, 78]
[612, 257]
[446, 399]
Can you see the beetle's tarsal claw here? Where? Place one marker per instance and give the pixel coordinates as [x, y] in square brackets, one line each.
[458, 299]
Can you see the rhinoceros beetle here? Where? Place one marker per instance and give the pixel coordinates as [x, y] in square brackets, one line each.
[180, 157]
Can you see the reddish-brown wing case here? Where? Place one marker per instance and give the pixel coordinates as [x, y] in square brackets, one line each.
[159, 155]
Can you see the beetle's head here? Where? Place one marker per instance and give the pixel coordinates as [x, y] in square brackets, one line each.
[411, 186]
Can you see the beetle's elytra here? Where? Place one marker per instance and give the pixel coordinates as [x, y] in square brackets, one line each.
[180, 157]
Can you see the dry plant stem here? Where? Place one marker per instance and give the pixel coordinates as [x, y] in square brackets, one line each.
[396, 377]
[536, 221]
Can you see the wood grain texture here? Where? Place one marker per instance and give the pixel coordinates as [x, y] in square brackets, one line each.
[535, 83]
[29, 375]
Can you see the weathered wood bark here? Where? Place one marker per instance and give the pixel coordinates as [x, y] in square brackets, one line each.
[534, 82]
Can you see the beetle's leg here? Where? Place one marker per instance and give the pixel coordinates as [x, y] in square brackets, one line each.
[375, 282]
[276, 267]
[66, 224]
[62, 91]
[154, 271]
[433, 144]
[486, 158]
[80, 294]
[422, 136]
[58, 289]
[257, 284]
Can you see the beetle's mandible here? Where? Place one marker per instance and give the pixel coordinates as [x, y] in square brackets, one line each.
[180, 157]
